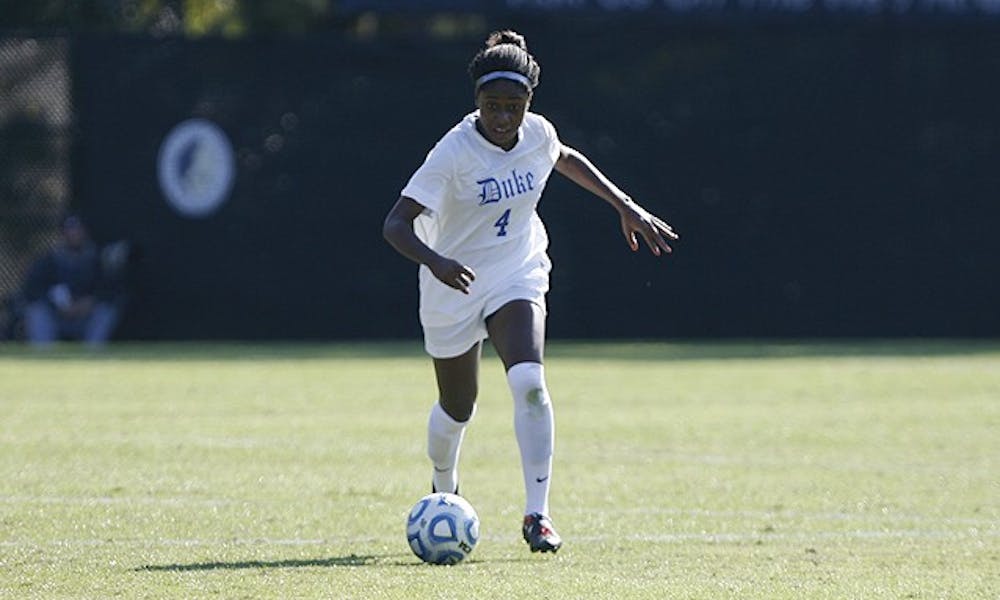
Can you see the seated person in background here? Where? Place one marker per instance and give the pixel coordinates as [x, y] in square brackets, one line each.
[69, 293]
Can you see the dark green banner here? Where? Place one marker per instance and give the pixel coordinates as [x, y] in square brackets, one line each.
[826, 181]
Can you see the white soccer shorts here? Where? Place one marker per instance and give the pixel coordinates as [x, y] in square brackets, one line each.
[449, 341]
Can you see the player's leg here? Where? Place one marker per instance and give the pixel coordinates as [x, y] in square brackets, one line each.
[517, 331]
[458, 385]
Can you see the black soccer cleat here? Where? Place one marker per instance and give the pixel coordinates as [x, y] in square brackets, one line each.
[540, 534]
[434, 489]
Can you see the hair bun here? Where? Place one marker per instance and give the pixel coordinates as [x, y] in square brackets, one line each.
[507, 36]
[505, 50]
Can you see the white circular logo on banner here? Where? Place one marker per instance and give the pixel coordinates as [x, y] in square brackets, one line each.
[196, 167]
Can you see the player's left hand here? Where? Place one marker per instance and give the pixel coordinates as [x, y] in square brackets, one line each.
[654, 230]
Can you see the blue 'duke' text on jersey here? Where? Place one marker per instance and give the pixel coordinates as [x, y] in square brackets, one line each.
[495, 190]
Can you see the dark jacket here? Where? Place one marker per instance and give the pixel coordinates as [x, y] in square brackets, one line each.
[81, 271]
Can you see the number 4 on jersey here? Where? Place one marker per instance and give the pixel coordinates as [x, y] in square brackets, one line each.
[502, 222]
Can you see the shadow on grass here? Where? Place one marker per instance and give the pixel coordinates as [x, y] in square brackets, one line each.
[351, 560]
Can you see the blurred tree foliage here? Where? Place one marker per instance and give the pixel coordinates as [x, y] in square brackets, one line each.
[194, 18]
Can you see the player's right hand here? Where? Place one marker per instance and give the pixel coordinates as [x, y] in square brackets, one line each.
[453, 274]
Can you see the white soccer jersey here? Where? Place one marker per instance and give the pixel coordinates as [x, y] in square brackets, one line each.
[480, 209]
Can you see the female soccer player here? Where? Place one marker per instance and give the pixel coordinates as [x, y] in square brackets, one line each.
[467, 217]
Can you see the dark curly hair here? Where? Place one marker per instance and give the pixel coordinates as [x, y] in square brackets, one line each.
[505, 51]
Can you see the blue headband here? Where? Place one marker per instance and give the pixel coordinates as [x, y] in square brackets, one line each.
[512, 75]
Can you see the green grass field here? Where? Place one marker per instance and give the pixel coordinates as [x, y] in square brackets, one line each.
[683, 470]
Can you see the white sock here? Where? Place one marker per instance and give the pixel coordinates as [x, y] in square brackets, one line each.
[534, 426]
[444, 441]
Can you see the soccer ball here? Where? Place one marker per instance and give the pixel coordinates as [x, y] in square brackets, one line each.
[442, 529]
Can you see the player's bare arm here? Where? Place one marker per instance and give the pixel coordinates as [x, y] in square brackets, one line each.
[398, 231]
[634, 218]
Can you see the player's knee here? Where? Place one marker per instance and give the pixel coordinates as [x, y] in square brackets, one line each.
[460, 409]
[527, 384]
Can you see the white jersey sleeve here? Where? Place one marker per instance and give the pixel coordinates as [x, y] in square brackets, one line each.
[430, 185]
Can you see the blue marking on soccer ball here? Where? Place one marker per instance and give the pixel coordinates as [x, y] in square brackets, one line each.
[472, 531]
[418, 510]
[418, 547]
[434, 532]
